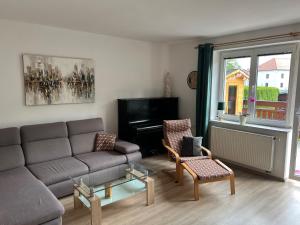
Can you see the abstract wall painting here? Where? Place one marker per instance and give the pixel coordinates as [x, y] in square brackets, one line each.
[51, 80]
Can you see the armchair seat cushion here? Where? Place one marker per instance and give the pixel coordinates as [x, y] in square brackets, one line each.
[26, 200]
[126, 147]
[207, 169]
[102, 159]
[58, 170]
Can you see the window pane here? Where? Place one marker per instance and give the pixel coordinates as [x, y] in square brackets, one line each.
[272, 93]
[236, 85]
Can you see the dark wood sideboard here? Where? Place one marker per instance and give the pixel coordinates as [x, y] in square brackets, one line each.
[140, 120]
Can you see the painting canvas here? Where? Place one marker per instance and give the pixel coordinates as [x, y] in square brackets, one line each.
[58, 80]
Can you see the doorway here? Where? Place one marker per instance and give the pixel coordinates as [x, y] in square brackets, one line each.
[232, 100]
[295, 159]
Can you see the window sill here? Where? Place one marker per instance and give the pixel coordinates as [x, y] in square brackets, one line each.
[249, 125]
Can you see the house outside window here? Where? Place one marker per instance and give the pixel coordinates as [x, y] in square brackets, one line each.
[251, 83]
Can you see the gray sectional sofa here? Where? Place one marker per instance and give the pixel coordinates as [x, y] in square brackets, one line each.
[36, 167]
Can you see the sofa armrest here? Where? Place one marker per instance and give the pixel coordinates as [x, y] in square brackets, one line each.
[126, 147]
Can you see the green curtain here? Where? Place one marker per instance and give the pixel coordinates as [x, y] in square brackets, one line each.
[203, 96]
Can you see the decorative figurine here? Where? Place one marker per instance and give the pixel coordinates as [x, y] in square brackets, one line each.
[167, 82]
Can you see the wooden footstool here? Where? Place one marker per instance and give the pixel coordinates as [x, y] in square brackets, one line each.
[205, 171]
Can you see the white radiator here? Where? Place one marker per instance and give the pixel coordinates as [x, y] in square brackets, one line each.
[254, 150]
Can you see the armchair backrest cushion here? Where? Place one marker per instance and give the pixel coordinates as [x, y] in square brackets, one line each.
[44, 142]
[175, 130]
[11, 154]
[82, 134]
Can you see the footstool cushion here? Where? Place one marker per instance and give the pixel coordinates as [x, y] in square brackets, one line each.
[192, 158]
[207, 169]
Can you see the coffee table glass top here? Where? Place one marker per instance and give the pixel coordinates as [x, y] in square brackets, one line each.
[132, 183]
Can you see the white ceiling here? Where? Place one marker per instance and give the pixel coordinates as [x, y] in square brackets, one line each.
[155, 20]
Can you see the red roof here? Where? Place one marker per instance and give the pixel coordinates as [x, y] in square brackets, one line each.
[275, 64]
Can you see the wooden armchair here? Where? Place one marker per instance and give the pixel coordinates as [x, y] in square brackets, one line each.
[178, 159]
[174, 131]
[203, 169]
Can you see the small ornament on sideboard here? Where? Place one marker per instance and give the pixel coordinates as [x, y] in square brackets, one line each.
[167, 85]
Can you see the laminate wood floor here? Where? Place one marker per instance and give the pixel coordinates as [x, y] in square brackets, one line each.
[258, 201]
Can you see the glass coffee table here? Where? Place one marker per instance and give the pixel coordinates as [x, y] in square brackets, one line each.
[137, 179]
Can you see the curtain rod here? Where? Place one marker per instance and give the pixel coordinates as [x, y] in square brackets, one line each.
[271, 37]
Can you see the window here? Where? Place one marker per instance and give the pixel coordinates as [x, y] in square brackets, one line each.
[247, 88]
[270, 103]
[236, 84]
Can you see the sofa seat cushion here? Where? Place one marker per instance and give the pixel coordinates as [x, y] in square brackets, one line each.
[102, 160]
[25, 200]
[58, 170]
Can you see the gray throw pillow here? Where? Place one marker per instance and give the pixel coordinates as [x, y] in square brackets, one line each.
[197, 143]
[191, 146]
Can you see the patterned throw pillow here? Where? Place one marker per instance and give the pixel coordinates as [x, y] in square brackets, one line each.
[105, 142]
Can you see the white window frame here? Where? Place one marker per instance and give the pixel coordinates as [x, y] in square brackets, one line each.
[253, 53]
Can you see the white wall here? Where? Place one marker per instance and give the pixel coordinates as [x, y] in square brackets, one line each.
[183, 60]
[124, 68]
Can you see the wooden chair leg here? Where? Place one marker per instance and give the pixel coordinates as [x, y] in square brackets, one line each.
[232, 184]
[180, 178]
[177, 173]
[196, 189]
[176, 176]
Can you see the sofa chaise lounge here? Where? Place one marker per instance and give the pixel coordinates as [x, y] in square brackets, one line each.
[36, 167]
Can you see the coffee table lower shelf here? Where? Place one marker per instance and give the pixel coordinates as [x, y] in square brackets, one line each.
[110, 193]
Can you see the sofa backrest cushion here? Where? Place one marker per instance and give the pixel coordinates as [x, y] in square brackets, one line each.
[44, 142]
[11, 154]
[82, 134]
[10, 136]
[45, 131]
